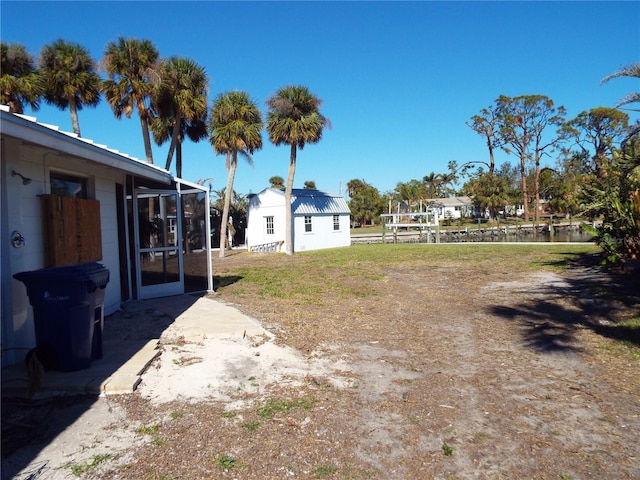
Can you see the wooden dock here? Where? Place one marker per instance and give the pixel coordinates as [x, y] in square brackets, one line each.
[505, 233]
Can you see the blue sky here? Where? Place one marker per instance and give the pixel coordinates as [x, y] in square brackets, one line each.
[398, 80]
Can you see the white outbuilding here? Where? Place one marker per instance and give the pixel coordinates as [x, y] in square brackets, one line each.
[319, 220]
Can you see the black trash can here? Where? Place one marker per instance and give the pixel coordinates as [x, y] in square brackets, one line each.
[68, 313]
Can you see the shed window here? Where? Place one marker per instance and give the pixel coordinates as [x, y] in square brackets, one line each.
[336, 222]
[307, 223]
[269, 221]
[65, 185]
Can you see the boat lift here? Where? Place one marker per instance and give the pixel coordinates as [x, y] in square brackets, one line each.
[426, 222]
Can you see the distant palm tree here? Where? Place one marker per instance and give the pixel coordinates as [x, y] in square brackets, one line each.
[182, 96]
[411, 192]
[276, 182]
[631, 70]
[19, 80]
[131, 66]
[294, 119]
[69, 78]
[236, 126]
[447, 180]
[356, 186]
[432, 185]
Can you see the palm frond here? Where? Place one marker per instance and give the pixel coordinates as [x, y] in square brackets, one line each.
[631, 70]
[629, 98]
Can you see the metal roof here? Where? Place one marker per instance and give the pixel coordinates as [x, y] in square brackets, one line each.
[316, 202]
[30, 130]
[452, 201]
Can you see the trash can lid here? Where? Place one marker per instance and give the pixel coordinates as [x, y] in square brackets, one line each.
[92, 271]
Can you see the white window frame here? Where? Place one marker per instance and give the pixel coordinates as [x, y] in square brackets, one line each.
[270, 225]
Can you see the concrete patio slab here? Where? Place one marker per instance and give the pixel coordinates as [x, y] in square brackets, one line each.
[133, 336]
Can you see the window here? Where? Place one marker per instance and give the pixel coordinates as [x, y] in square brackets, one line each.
[269, 225]
[307, 223]
[68, 185]
[336, 222]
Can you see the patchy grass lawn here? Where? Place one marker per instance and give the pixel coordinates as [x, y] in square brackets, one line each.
[460, 361]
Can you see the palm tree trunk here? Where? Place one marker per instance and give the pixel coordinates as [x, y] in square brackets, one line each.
[227, 203]
[287, 202]
[73, 110]
[179, 160]
[174, 140]
[144, 124]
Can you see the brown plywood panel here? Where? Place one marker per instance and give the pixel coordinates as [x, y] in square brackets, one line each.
[54, 230]
[72, 230]
[89, 231]
[69, 253]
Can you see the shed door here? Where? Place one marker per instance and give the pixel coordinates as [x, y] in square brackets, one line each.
[159, 263]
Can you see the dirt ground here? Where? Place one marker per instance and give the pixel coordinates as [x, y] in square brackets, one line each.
[443, 373]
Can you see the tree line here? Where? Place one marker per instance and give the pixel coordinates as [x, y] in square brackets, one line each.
[171, 98]
[596, 173]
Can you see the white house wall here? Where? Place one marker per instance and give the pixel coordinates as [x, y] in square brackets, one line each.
[322, 234]
[24, 214]
[450, 212]
[265, 204]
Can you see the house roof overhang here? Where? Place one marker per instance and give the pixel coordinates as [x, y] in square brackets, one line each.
[451, 201]
[28, 130]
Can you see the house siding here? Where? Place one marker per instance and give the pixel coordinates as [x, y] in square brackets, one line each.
[322, 235]
[24, 214]
[448, 207]
[35, 150]
[266, 204]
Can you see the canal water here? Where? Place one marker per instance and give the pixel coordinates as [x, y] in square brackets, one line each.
[559, 236]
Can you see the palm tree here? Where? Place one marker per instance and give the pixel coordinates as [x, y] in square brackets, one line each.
[411, 192]
[489, 191]
[69, 78]
[432, 184]
[131, 66]
[19, 81]
[631, 70]
[195, 130]
[236, 126]
[294, 119]
[447, 181]
[182, 97]
[276, 182]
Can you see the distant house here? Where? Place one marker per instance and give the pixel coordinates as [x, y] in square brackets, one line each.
[319, 220]
[452, 208]
[67, 201]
